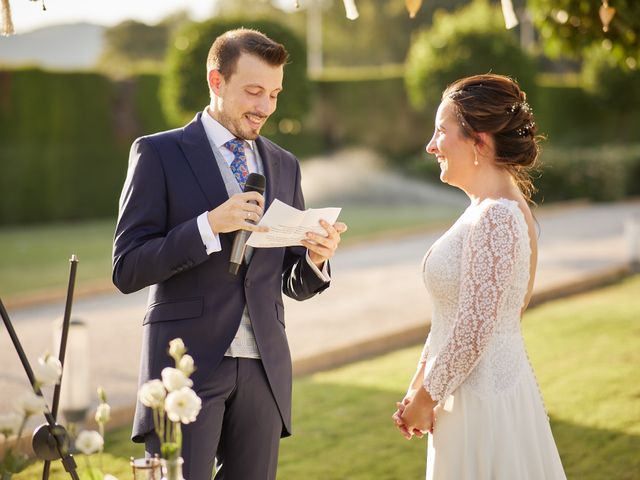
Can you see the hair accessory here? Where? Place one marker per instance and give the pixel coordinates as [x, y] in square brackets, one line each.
[526, 129]
[519, 106]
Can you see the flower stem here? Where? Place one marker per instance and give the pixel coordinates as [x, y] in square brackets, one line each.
[86, 459]
[100, 460]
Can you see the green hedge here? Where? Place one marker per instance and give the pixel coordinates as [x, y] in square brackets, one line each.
[375, 113]
[64, 142]
[569, 115]
[603, 173]
[65, 137]
[58, 146]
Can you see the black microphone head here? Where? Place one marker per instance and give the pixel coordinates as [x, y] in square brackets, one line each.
[255, 183]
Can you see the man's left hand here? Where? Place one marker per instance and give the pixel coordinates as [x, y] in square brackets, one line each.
[322, 248]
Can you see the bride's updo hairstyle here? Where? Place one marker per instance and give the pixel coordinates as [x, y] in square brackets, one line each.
[496, 105]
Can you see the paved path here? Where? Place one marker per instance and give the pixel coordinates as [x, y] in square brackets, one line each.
[376, 302]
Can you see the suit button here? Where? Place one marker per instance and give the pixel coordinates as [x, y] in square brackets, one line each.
[247, 282]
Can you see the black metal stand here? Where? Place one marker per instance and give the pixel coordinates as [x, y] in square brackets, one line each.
[50, 440]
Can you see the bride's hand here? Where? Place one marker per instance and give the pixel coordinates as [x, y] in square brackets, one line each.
[399, 423]
[417, 415]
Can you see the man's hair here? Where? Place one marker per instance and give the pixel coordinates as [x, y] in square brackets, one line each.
[226, 49]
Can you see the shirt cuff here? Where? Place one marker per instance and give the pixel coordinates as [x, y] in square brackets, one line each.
[210, 240]
[324, 274]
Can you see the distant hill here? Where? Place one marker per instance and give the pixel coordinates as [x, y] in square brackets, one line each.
[60, 47]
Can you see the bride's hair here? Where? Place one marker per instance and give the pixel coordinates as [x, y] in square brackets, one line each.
[496, 105]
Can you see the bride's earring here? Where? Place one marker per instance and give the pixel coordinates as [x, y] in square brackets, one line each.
[475, 156]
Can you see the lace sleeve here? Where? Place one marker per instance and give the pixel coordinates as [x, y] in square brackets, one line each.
[425, 351]
[488, 258]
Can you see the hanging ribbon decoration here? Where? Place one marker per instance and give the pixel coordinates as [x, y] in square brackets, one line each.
[412, 7]
[606, 15]
[510, 19]
[351, 9]
[6, 27]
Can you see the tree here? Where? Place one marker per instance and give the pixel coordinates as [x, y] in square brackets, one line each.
[132, 46]
[184, 85]
[571, 27]
[470, 41]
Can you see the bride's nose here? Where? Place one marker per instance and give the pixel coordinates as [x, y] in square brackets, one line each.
[431, 146]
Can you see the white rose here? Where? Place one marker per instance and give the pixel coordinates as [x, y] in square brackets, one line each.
[89, 441]
[177, 349]
[48, 370]
[174, 379]
[152, 394]
[183, 405]
[30, 404]
[10, 424]
[103, 413]
[186, 365]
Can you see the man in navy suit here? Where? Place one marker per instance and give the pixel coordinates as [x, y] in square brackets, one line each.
[180, 208]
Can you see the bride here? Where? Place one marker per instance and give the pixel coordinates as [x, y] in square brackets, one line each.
[474, 388]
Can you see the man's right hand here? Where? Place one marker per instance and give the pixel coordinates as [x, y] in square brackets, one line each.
[237, 213]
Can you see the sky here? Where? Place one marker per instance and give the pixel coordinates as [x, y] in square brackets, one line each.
[28, 15]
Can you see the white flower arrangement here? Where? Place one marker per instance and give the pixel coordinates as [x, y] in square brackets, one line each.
[172, 400]
[47, 371]
[91, 441]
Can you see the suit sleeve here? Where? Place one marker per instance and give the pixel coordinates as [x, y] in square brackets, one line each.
[299, 281]
[145, 250]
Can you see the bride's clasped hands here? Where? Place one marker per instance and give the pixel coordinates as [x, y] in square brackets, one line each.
[416, 414]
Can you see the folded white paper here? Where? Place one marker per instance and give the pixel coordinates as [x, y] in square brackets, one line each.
[288, 225]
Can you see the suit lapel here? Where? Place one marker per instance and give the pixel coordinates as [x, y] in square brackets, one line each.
[198, 152]
[271, 164]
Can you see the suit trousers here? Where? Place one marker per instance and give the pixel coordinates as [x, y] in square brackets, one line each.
[238, 428]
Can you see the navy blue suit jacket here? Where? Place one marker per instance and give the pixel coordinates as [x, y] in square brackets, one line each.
[172, 178]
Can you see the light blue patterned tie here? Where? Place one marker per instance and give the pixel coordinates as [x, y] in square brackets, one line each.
[239, 165]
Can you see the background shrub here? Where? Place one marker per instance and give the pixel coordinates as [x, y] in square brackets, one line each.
[603, 173]
[184, 89]
[64, 142]
[470, 41]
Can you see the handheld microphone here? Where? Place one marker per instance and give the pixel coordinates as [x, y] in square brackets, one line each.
[255, 183]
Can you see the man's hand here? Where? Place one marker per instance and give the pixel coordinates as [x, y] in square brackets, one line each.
[237, 213]
[321, 248]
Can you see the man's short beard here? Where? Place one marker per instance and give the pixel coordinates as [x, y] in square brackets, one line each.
[236, 127]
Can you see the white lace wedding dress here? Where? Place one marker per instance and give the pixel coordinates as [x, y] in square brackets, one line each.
[493, 425]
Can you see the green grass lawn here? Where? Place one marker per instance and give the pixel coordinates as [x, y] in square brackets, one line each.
[35, 259]
[586, 356]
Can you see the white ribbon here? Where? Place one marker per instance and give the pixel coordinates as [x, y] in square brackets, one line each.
[7, 25]
[510, 19]
[351, 9]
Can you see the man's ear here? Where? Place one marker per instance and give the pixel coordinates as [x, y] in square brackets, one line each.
[215, 80]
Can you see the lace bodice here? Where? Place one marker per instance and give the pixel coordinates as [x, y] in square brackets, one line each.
[477, 274]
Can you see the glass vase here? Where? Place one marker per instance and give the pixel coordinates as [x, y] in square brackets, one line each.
[172, 468]
[146, 468]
